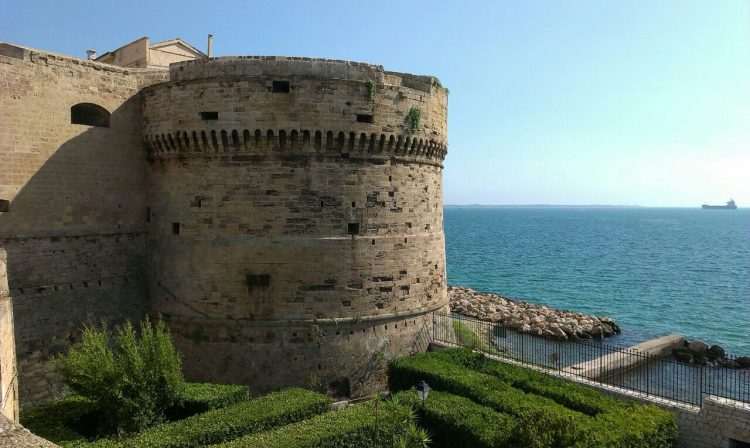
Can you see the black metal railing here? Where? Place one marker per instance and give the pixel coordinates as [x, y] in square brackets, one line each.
[596, 361]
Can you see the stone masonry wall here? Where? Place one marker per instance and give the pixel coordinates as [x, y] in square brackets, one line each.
[75, 234]
[8, 379]
[295, 220]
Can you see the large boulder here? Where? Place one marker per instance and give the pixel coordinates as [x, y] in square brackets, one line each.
[716, 352]
[698, 347]
[682, 354]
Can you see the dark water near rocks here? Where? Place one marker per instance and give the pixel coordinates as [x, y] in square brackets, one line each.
[655, 271]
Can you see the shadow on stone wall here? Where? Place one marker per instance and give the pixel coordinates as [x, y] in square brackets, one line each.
[75, 238]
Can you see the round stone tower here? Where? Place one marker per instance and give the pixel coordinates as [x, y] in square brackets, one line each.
[295, 218]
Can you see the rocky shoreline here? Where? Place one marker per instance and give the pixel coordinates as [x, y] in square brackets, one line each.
[529, 318]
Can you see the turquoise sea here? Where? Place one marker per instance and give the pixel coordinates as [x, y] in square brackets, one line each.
[654, 270]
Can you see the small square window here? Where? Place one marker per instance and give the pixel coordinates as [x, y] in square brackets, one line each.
[4, 205]
[364, 118]
[280, 87]
[209, 115]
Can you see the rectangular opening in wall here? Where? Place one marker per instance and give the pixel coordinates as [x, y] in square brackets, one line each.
[738, 444]
[4, 205]
[209, 115]
[176, 228]
[280, 87]
[364, 118]
[258, 281]
[148, 214]
[352, 228]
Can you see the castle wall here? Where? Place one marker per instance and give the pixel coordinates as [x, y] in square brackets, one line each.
[8, 378]
[75, 238]
[294, 233]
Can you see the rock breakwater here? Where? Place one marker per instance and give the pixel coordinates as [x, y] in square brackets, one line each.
[529, 318]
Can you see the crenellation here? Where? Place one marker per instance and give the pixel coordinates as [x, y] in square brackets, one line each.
[247, 200]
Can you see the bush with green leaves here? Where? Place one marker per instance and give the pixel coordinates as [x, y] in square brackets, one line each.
[549, 411]
[377, 424]
[227, 423]
[76, 419]
[131, 377]
[196, 398]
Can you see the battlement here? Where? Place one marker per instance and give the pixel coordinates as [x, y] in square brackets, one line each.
[269, 208]
[284, 66]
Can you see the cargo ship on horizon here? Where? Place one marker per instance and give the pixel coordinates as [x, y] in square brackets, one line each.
[730, 206]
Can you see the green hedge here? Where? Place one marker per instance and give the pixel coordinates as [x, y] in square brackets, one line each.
[558, 407]
[55, 421]
[571, 395]
[352, 427]
[457, 422]
[74, 418]
[479, 387]
[197, 398]
[228, 423]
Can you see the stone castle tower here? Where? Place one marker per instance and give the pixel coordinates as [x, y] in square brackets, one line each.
[284, 215]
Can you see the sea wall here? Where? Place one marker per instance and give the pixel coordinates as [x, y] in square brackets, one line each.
[529, 318]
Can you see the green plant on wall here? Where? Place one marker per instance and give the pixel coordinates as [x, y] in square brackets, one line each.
[317, 334]
[371, 91]
[412, 120]
[436, 82]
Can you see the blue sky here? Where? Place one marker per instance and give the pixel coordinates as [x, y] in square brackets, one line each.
[575, 102]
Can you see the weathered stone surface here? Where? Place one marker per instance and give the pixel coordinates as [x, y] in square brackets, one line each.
[529, 318]
[698, 347]
[13, 435]
[283, 216]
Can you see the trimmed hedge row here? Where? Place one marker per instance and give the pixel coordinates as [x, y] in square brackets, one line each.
[352, 427]
[197, 398]
[571, 395]
[55, 421]
[456, 421]
[615, 423]
[61, 422]
[479, 387]
[228, 423]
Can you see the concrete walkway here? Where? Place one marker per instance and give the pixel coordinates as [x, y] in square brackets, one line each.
[626, 359]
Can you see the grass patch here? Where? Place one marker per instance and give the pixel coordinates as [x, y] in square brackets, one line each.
[466, 337]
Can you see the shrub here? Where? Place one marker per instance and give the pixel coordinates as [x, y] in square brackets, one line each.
[196, 398]
[131, 385]
[457, 422]
[549, 411]
[228, 423]
[75, 418]
[366, 425]
[55, 421]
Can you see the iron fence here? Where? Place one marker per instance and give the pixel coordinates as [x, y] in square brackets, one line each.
[597, 361]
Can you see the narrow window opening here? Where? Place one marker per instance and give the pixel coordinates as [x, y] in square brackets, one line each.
[176, 228]
[364, 118]
[354, 204]
[390, 178]
[4, 205]
[280, 87]
[89, 114]
[352, 228]
[209, 115]
[258, 281]
[148, 214]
